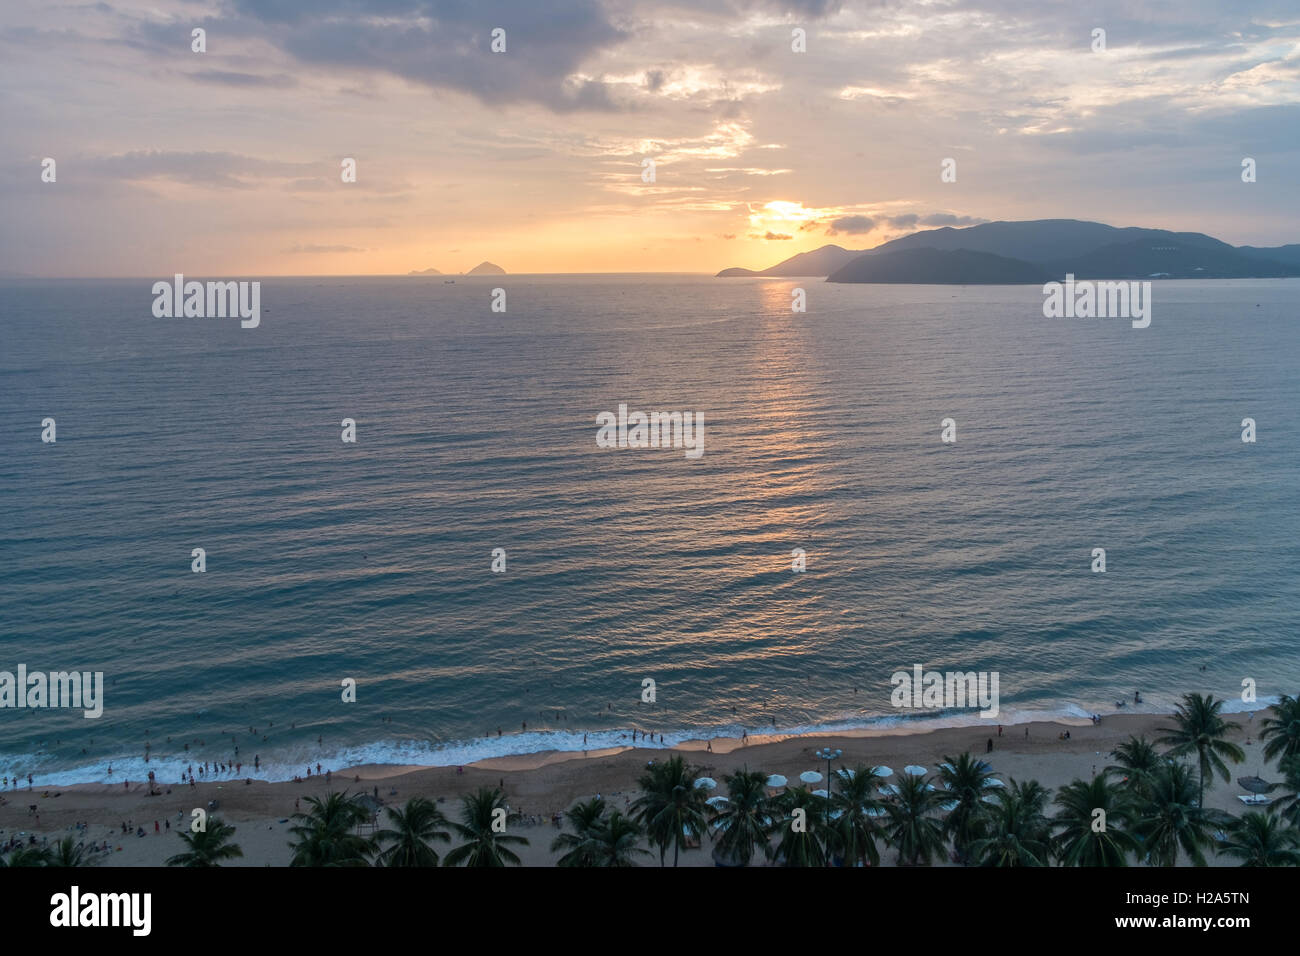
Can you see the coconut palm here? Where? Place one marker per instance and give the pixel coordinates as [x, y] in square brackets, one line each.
[802, 829]
[1172, 817]
[1202, 730]
[912, 825]
[1135, 760]
[27, 856]
[580, 846]
[1085, 839]
[968, 782]
[856, 831]
[742, 825]
[671, 807]
[326, 834]
[68, 853]
[1260, 839]
[207, 848]
[482, 815]
[1281, 732]
[414, 827]
[1287, 806]
[615, 841]
[1018, 832]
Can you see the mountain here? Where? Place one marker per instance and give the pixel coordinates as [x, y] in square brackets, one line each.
[940, 267]
[486, 269]
[818, 262]
[1171, 258]
[1288, 255]
[1089, 250]
[425, 272]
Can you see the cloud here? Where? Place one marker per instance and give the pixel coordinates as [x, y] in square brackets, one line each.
[448, 45]
[776, 235]
[279, 81]
[851, 225]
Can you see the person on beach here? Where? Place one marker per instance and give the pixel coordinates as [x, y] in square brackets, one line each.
[999, 730]
[989, 749]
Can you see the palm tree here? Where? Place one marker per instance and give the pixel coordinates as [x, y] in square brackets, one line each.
[582, 845]
[414, 828]
[1283, 731]
[671, 807]
[208, 847]
[912, 826]
[485, 845]
[1259, 839]
[1172, 817]
[743, 824]
[859, 803]
[803, 831]
[1287, 806]
[67, 853]
[1202, 730]
[1018, 833]
[326, 834]
[968, 783]
[1079, 842]
[615, 842]
[1135, 760]
[27, 856]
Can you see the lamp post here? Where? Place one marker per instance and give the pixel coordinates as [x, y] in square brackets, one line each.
[827, 754]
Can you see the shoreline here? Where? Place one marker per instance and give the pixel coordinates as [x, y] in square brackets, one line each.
[539, 785]
[543, 746]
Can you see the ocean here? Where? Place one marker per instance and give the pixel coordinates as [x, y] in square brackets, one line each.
[476, 430]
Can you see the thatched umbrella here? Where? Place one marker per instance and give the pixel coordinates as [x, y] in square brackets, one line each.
[1256, 785]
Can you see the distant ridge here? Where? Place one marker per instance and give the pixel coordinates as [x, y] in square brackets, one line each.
[1089, 250]
[486, 269]
[940, 267]
[425, 272]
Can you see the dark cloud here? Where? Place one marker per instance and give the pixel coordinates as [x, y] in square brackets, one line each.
[777, 235]
[227, 78]
[851, 225]
[447, 43]
[948, 219]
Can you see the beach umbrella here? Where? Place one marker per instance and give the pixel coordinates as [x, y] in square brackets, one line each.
[1256, 785]
[949, 806]
[820, 793]
[883, 771]
[945, 766]
[717, 801]
[876, 812]
[994, 782]
[705, 783]
[891, 789]
[810, 776]
[915, 770]
[776, 780]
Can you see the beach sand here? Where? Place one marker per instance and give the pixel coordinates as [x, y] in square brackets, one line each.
[540, 785]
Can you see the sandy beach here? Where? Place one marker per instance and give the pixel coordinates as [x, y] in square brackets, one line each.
[541, 785]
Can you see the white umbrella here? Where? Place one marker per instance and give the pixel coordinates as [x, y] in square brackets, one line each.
[835, 814]
[810, 776]
[994, 782]
[876, 812]
[820, 793]
[949, 806]
[946, 766]
[891, 789]
[776, 780]
[716, 801]
[989, 798]
[706, 783]
[883, 771]
[914, 770]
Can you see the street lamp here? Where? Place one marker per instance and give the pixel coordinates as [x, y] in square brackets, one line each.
[827, 754]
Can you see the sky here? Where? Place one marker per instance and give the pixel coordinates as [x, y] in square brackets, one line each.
[229, 162]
